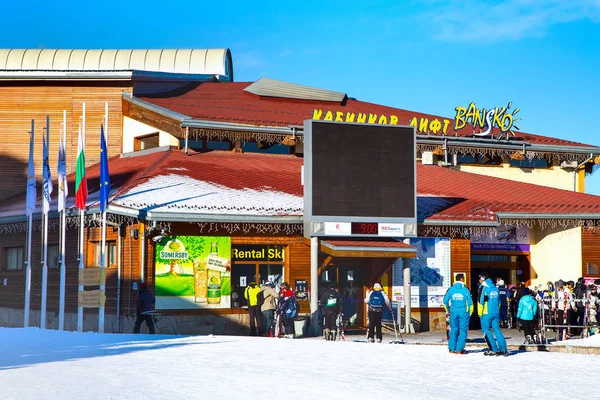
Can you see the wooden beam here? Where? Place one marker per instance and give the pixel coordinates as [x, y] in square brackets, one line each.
[367, 254]
[324, 265]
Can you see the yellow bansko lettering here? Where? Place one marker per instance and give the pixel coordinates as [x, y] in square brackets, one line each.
[460, 120]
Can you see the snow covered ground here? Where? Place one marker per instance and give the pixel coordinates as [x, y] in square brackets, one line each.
[49, 365]
[592, 341]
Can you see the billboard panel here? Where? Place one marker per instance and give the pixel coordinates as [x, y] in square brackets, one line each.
[359, 179]
[193, 272]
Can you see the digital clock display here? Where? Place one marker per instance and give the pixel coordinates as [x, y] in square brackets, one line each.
[365, 228]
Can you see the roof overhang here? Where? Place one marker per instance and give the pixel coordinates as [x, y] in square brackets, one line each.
[505, 144]
[581, 216]
[199, 217]
[370, 249]
[125, 75]
[448, 222]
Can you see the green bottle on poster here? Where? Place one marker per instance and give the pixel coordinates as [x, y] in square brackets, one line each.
[214, 276]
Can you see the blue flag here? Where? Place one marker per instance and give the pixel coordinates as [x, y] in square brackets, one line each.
[104, 177]
[31, 195]
[47, 187]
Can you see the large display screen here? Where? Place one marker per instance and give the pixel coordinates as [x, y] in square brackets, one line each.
[359, 179]
[363, 170]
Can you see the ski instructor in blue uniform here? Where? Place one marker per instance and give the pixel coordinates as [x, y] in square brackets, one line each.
[459, 304]
[489, 312]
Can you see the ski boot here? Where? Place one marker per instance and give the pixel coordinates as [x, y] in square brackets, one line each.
[326, 334]
[502, 353]
[489, 353]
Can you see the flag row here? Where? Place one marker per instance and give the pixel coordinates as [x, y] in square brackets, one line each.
[81, 190]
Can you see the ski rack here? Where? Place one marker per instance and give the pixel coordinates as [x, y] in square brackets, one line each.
[567, 326]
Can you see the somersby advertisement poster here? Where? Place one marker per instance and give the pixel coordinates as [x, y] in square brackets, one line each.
[193, 272]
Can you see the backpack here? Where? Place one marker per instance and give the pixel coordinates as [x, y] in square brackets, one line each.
[376, 299]
[332, 301]
[260, 298]
[292, 309]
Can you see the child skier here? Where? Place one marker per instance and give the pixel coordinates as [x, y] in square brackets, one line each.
[332, 302]
[527, 312]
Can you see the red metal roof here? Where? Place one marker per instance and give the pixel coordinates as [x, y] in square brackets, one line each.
[475, 197]
[228, 102]
[443, 193]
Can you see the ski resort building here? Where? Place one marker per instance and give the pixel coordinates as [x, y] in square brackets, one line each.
[207, 189]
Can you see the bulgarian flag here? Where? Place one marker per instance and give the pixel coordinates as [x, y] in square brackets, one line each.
[81, 192]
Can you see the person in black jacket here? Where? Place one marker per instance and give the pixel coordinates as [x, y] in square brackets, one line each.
[145, 304]
[331, 301]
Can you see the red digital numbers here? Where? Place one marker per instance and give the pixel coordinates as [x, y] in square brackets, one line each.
[365, 228]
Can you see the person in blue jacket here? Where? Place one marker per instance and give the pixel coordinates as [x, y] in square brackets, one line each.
[527, 312]
[459, 304]
[489, 312]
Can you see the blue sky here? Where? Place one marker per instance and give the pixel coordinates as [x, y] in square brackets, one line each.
[429, 55]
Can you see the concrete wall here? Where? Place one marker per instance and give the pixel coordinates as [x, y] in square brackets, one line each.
[555, 254]
[133, 129]
[555, 177]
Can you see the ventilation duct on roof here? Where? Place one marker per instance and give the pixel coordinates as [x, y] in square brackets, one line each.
[273, 88]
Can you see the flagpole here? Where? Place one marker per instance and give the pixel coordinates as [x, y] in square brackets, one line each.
[103, 263]
[81, 229]
[29, 231]
[46, 211]
[63, 222]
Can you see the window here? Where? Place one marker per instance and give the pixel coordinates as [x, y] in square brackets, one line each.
[14, 258]
[530, 163]
[146, 142]
[95, 254]
[53, 256]
[478, 159]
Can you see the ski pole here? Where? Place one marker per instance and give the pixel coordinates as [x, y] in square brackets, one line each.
[395, 330]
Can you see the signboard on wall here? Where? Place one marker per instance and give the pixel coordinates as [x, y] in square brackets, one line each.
[193, 272]
[505, 238]
[429, 273]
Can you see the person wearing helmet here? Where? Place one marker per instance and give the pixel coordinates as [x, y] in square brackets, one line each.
[376, 299]
[489, 312]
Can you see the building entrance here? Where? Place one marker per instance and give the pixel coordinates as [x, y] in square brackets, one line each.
[511, 268]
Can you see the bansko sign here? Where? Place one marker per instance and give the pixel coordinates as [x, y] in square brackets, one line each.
[498, 117]
[484, 120]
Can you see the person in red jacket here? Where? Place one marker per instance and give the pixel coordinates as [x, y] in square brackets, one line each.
[287, 309]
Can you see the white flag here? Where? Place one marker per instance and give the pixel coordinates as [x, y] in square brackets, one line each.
[63, 189]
